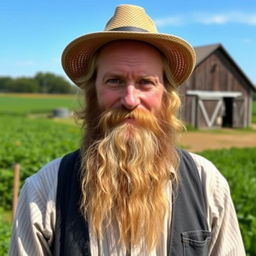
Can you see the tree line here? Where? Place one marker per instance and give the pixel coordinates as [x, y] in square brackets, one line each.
[40, 83]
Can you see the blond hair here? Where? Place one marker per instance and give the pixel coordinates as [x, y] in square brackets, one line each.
[122, 182]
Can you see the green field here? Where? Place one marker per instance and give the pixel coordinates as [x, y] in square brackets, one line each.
[28, 103]
[254, 113]
[239, 168]
[35, 140]
[31, 141]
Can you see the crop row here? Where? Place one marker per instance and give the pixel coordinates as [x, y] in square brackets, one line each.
[31, 143]
[34, 142]
[5, 232]
[239, 168]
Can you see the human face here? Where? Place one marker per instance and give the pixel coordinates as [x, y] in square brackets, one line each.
[129, 76]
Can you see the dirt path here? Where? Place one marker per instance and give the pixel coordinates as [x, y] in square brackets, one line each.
[198, 141]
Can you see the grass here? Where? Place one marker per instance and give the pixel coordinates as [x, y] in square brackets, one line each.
[28, 136]
[24, 104]
[235, 131]
[6, 216]
[254, 112]
[5, 231]
[239, 168]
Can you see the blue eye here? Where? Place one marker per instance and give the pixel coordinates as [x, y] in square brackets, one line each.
[114, 82]
[146, 83]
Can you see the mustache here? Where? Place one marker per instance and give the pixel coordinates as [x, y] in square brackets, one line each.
[143, 118]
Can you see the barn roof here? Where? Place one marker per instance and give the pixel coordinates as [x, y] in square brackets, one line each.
[203, 52]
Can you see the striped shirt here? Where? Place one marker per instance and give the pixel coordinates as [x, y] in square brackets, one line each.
[33, 228]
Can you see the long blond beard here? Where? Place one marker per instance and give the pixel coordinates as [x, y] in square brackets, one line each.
[124, 176]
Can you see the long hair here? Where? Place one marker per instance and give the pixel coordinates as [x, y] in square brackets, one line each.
[125, 168]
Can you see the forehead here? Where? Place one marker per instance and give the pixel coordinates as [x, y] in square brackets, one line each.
[129, 52]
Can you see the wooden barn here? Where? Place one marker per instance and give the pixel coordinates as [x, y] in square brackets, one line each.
[218, 93]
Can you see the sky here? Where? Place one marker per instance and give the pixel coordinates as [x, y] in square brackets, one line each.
[34, 33]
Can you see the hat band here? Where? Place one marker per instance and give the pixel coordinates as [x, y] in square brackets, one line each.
[135, 29]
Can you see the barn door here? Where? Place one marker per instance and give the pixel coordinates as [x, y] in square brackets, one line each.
[209, 111]
[228, 113]
[239, 113]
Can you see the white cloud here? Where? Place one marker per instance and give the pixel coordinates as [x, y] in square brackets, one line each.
[212, 19]
[224, 18]
[247, 40]
[208, 19]
[170, 21]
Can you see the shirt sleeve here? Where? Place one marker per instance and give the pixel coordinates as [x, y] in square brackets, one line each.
[33, 227]
[226, 239]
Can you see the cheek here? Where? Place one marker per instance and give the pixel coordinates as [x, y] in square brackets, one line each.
[154, 101]
[106, 99]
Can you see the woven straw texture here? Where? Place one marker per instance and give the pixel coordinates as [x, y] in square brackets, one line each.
[181, 56]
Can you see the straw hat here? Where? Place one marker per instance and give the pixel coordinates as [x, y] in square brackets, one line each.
[129, 22]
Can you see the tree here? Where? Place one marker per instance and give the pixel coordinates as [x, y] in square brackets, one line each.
[40, 83]
[5, 83]
[51, 83]
[23, 84]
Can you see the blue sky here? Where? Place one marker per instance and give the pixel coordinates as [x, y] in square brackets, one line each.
[34, 33]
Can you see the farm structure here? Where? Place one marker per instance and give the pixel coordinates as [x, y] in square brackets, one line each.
[218, 93]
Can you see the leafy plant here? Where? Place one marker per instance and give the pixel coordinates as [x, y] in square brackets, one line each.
[31, 143]
[254, 112]
[239, 168]
[5, 233]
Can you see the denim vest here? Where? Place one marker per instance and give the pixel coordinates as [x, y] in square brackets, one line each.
[188, 235]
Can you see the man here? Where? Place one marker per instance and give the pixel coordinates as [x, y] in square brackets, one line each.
[128, 190]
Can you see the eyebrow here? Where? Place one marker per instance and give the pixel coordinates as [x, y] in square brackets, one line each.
[118, 75]
[113, 74]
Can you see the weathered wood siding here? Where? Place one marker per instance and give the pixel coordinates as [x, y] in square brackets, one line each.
[216, 73]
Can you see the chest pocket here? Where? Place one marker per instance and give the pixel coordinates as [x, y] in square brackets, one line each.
[190, 235]
[195, 242]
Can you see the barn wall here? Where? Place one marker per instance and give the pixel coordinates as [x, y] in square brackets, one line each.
[219, 74]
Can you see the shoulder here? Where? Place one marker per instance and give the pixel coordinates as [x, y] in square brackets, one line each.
[35, 215]
[221, 215]
[208, 172]
[49, 170]
[44, 182]
[216, 188]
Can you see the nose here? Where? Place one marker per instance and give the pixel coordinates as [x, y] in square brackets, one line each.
[130, 98]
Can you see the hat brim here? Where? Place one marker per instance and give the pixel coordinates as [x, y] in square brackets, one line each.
[180, 54]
